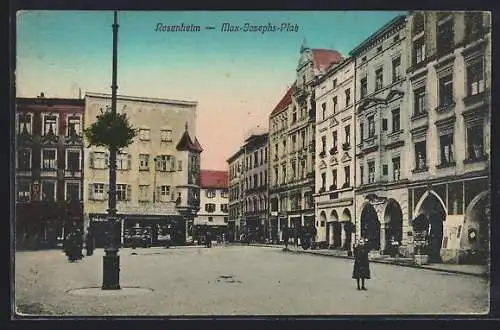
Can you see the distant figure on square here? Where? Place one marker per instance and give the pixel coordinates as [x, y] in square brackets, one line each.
[89, 242]
[285, 237]
[361, 269]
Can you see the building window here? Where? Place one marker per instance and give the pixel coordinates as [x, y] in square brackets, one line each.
[165, 163]
[335, 141]
[224, 193]
[164, 193]
[73, 160]
[276, 175]
[385, 169]
[97, 191]
[265, 155]
[72, 191]
[473, 24]
[347, 137]
[371, 127]
[361, 131]
[122, 192]
[144, 134]
[294, 115]
[50, 125]
[302, 169]
[323, 182]
[123, 161]
[25, 120]
[24, 160]
[396, 69]
[294, 143]
[347, 176]
[419, 101]
[74, 125]
[23, 191]
[384, 124]
[223, 208]
[475, 77]
[445, 36]
[446, 148]
[211, 193]
[179, 165]
[334, 83]
[303, 138]
[361, 174]
[418, 23]
[143, 193]
[143, 162]
[98, 160]
[446, 90]
[261, 157]
[396, 168]
[420, 155]
[166, 135]
[475, 142]
[49, 159]
[283, 169]
[284, 147]
[396, 124]
[419, 50]
[335, 104]
[364, 87]
[255, 181]
[210, 207]
[334, 179]
[371, 171]
[48, 191]
[347, 97]
[379, 79]
[323, 109]
[210, 219]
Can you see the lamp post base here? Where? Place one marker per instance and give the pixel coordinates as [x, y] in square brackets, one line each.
[111, 270]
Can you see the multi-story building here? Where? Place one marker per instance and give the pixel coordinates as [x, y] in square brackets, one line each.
[335, 159]
[382, 162]
[236, 179]
[49, 172]
[449, 118]
[214, 199]
[292, 144]
[255, 201]
[158, 175]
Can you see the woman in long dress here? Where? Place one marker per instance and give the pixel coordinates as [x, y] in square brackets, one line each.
[361, 269]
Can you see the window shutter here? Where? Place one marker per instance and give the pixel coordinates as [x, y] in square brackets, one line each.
[106, 159]
[91, 191]
[129, 192]
[172, 164]
[106, 191]
[129, 161]
[91, 160]
[158, 193]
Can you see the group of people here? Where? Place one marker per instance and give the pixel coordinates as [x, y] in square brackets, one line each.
[73, 245]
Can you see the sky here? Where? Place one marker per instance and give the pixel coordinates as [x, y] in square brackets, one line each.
[237, 78]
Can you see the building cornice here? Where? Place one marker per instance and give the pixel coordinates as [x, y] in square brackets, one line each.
[141, 99]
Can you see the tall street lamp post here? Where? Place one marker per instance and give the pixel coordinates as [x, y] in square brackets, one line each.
[111, 259]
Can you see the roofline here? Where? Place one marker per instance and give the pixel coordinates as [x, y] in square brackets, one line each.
[51, 99]
[141, 99]
[235, 155]
[384, 29]
[334, 69]
[266, 134]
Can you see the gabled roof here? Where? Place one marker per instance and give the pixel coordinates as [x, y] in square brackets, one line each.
[214, 179]
[284, 102]
[186, 144]
[323, 58]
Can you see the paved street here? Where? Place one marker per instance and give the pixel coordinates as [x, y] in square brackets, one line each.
[238, 280]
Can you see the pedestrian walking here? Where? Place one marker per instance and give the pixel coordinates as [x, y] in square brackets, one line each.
[285, 237]
[361, 269]
[89, 242]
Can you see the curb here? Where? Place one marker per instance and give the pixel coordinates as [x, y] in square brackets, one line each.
[459, 272]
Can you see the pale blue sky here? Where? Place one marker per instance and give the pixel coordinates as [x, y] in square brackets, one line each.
[237, 77]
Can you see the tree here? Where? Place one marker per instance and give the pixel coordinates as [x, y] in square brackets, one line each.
[110, 130]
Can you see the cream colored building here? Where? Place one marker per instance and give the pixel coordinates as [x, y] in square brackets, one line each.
[158, 176]
[292, 144]
[449, 120]
[382, 159]
[214, 200]
[335, 159]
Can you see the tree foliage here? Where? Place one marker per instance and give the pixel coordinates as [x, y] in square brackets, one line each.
[110, 130]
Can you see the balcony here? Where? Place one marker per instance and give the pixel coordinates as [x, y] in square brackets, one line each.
[73, 139]
[477, 100]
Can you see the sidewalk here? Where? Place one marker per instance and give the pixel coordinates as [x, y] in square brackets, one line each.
[474, 270]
